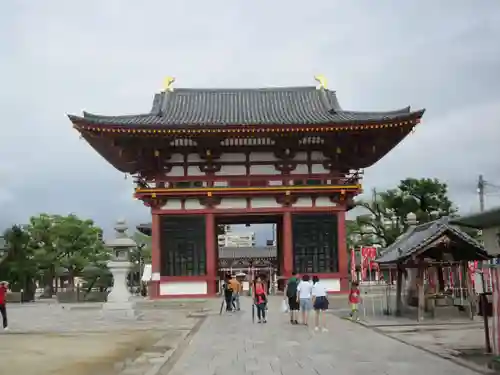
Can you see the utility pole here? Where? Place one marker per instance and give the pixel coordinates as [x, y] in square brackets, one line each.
[480, 192]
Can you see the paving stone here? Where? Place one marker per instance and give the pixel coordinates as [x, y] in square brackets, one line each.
[231, 344]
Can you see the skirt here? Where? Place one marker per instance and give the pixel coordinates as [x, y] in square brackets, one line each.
[321, 303]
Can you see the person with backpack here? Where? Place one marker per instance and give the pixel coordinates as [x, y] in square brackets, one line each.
[291, 295]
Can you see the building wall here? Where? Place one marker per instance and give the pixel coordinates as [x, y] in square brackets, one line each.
[236, 239]
[491, 240]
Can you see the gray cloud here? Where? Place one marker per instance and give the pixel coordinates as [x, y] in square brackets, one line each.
[110, 57]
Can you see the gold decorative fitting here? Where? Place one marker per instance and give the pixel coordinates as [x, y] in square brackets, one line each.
[322, 81]
[157, 153]
[208, 152]
[339, 151]
[287, 192]
[167, 84]
[209, 194]
[153, 195]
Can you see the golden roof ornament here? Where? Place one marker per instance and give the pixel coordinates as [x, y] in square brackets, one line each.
[321, 79]
[168, 83]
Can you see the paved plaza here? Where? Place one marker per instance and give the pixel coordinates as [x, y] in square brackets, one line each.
[231, 344]
[76, 339]
[177, 338]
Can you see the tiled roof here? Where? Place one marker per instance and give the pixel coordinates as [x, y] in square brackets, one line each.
[268, 106]
[247, 252]
[480, 220]
[418, 237]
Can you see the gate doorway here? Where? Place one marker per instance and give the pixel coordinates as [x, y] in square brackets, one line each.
[261, 257]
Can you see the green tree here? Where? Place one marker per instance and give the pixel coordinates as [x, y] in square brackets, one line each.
[17, 265]
[386, 212]
[64, 242]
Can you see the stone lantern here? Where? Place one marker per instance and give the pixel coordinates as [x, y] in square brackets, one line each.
[119, 266]
[411, 219]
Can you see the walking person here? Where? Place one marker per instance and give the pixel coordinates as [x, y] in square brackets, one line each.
[260, 299]
[4, 286]
[320, 304]
[304, 297]
[354, 300]
[291, 296]
[236, 289]
[228, 294]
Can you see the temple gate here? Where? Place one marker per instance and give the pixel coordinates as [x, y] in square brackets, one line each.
[202, 156]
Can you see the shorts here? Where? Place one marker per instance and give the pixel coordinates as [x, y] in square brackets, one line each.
[354, 307]
[293, 304]
[321, 303]
[305, 304]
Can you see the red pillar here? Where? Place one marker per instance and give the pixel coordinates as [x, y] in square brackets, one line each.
[342, 251]
[211, 253]
[154, 290]
[287, 245]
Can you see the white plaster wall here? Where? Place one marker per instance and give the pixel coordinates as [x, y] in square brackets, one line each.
[176, 158]
[275, 182]
[491, 240]
[331, 285]
[176, 288]
[303, 202]
[193, 204]
[172, 204]
[233, 156]
[234, 170]
[317, 156]
[195, 171]
[176, 171]
[300, 169]
[264, 202]
[300, 156]
[318, 168]
[262, 156]
[324, 202]
[263, 169]
[233, 203]
[193, 158]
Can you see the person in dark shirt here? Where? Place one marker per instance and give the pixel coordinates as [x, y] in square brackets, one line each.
[291, 295]
[228, 294]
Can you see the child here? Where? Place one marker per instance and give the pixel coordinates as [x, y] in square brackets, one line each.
[260, 299]
[354, 300]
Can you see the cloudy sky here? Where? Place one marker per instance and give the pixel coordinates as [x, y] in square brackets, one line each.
[109, 57]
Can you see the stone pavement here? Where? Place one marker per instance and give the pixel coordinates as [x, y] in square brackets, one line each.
[231, 344]
[60, 339]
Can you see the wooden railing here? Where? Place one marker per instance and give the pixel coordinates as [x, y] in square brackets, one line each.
[193, 182]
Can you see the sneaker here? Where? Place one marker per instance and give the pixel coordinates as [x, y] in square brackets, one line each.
[324, 330]
[264, 321]
[316, 329]
[6, 329]
[260, 321]
[296, 322]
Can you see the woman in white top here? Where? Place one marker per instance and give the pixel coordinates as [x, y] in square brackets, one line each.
[320, 303]
[304, 297]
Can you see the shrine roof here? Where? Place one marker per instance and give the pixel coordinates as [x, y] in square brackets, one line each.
[260, 106]
[419, 237]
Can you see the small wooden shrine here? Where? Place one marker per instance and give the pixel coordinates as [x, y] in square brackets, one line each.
[428, 258]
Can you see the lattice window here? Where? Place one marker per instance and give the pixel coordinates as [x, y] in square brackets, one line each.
[183, 246]
[315, 243]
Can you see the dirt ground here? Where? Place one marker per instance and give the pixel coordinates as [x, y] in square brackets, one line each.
[76, 354]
